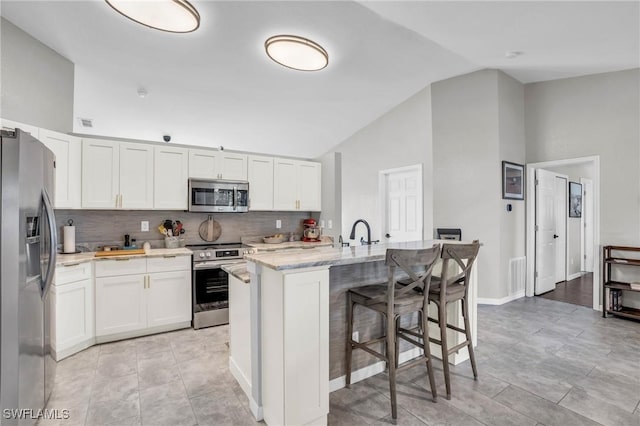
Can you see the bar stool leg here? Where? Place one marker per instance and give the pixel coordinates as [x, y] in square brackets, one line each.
[427, 352]
[442, 318]
[391, 362]
[467, 330]
[348, 340]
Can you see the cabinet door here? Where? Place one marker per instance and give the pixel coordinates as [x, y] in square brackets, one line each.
[169, 298]
[203, 164]
[68, 152]
[309, 186]
[171, 170]
[285, 185]
[233, 166]
[260, 174]
[120, 304]
[74, 314]
[100, 174]
[136, 176]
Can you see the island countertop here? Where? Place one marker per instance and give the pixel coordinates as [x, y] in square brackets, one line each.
[328, 256]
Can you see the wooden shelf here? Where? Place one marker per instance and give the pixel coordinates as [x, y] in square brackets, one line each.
[627, 312]
[612, 290]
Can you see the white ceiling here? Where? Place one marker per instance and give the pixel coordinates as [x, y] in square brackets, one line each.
[217, 87]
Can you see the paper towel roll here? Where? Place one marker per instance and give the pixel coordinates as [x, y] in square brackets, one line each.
[69, 239]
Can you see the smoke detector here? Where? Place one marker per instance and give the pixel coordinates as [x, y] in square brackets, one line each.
[85, 122]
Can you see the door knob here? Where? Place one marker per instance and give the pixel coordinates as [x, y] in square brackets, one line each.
[387, 236]
[556, 236]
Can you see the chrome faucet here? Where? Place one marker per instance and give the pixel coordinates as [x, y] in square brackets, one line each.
[362, 241]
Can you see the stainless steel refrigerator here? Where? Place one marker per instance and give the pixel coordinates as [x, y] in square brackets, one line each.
[27, 265]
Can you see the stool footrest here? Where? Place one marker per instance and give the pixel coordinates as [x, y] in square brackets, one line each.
[365, 348]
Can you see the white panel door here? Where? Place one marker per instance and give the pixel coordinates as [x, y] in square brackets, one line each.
[120, 304]
[68, 152]
[233, 166]
[545, 231]
[403, 205]
[100, 174]
[136, 176]
[285, 185]
[260, 175]
[561, 206]
[203, 164]
[168, 298]
[74, 314]
[309, 186]
[171, 171]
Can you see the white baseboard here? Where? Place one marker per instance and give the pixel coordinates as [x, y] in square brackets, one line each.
[256, 410]
[242, 380]
[489, 301]
[574, 276]
[63, 353]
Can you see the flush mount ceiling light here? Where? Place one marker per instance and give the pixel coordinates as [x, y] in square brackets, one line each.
[296, 53]
[175, 16]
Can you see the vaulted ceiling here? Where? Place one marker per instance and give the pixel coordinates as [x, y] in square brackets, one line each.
[217, 87]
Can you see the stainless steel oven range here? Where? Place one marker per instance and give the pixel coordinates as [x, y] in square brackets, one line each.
[211, 283]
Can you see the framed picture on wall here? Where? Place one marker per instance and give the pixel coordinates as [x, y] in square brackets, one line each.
[575, 199]
[512, 181]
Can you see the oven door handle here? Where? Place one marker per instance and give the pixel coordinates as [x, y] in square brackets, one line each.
[215, 264]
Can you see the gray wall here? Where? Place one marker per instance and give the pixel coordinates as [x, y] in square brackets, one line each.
[593, 115]
[37, 83]
[96, 227]
[401, 137]
[478, 121]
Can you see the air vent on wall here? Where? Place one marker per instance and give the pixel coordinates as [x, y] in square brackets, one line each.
[85, 122]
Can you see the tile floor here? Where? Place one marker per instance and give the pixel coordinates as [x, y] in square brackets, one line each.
[541, 362]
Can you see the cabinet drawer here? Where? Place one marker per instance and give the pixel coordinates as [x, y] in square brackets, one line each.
[168, 263]
[72, 273]
[123, 266]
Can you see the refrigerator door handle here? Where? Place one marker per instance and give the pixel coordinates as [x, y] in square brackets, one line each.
[51, 220]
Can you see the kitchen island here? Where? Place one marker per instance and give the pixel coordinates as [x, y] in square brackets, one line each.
[298, 323]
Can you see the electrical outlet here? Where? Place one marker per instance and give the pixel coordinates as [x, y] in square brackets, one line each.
[144, 226]
[355, 336]
[330, 224]
[278, 224]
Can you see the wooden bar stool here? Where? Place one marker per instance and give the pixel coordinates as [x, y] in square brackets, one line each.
[451, 288]
[393, 300]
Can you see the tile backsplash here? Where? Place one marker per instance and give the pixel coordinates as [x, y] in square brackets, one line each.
[98, 227]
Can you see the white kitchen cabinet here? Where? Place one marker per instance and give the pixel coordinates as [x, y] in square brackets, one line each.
[240, 332]
[138, 296]
[260, 176]
[67, 150]
[73, 313]
[210, 164]
[297, 185]
[170, 175]
[117, 175]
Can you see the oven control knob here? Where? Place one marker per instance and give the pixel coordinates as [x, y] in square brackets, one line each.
[201, 254]
[208, 254]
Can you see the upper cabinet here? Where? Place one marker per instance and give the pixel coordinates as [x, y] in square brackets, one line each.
[260, 176]
[116, 175]
[171, 172]
[209, 164]
[297, 185]
[67, 150]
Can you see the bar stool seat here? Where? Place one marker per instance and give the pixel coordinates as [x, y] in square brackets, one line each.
[394, 300]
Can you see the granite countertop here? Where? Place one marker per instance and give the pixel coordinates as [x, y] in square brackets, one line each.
[238, 270]
[69, 259]
[329, 256]
[259, 245]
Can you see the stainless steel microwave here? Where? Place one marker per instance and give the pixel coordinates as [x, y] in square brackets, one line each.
[207, 195]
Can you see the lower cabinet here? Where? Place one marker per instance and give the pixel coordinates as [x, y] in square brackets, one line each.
[72, 316]
[132, 299]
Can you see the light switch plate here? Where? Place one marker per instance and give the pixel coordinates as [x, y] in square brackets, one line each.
[278, 224]
[330, 224]
[144, 226]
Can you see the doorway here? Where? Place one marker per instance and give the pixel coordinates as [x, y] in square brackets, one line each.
[401, 197]
[585, 238]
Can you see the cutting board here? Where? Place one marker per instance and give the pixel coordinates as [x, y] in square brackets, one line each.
[119, 252]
